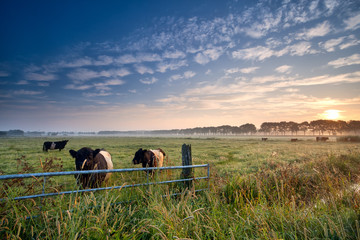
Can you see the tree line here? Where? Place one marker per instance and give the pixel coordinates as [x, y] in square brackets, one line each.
[316, 127]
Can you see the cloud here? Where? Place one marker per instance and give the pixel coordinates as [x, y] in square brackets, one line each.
[330, 45]
[208, 55]
[149, 81]
[249, 70]
[351, 41]
[300, 49]
[83, 74]
[22, 82]
[271, 78]
[186, 75]
[201, 59]
[242, 70]
[172, 65]
[319, 80]
[102, 93]
[105, 85]
[320, 30]
[40, 76]
[25, 92]
[283, 69]
[143, 69]
[174, 54]
[126, 59]
[77, 87]
[81, 62]
[4, 74]
[346, 61]
[189, 74]
[103, 60]
[139, 58]
[352, 23]
[259, 53]
[268, 22]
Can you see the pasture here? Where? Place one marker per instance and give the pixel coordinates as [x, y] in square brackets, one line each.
[259, 189]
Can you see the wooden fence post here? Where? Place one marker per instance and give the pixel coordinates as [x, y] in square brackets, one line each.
[187, 160]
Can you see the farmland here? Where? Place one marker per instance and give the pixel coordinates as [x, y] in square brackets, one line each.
[266, 190]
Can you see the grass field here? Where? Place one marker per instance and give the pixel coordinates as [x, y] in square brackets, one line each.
[265, 190]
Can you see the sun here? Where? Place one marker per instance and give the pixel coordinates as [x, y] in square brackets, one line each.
[331, 114]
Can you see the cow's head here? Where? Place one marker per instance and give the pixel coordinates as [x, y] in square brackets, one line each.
[84, 158]
[139, 156]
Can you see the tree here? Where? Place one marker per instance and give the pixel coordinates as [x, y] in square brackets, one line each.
[293, 127]
[304, 126]
[247, 128]
[354, 126]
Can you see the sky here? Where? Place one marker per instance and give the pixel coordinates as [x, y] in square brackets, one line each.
[153, 65]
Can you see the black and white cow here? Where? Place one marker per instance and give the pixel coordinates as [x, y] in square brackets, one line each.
[54, 145]
[149, 158]
[88, 159]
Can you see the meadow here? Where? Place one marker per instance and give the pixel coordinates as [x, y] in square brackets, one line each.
[258, 190]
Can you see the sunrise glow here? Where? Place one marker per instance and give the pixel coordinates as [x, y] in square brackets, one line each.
[331, 114]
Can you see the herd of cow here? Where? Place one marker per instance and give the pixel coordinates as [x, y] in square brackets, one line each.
[89, 159]
[99, 159]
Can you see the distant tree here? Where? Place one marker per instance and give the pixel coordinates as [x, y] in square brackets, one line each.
[247, 128]
[15, 132]
[293, 127]
[304, 126]
[268, 127]
[342, 126]
[282, 127]
[354, 126]
[319, 125]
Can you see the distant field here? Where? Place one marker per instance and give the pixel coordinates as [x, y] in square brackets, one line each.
[227, 154]
[274, 189]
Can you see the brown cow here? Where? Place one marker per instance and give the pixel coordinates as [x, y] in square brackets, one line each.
[322, 139]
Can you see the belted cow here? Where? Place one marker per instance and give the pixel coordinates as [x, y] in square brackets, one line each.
[88, 159]
[54, 145]
[149, 158]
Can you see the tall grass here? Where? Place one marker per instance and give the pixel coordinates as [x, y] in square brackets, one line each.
[312, 196]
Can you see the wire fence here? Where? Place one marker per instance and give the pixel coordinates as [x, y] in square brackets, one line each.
[148, 183]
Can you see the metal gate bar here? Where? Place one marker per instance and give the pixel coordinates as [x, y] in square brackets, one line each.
[30, 175]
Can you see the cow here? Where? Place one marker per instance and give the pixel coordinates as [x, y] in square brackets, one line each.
[322, 139]
[264, 139]
[149, 158]
[88, 159]
[294, 140]
[54, 145]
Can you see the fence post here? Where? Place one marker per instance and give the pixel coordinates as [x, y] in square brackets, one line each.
[186, 160]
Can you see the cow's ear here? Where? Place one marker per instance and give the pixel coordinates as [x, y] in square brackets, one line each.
[96, 152]
[73, 153]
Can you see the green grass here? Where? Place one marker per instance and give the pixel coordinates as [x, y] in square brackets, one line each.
[259, 190]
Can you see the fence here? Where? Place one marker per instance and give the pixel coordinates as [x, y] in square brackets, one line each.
[51, 174]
